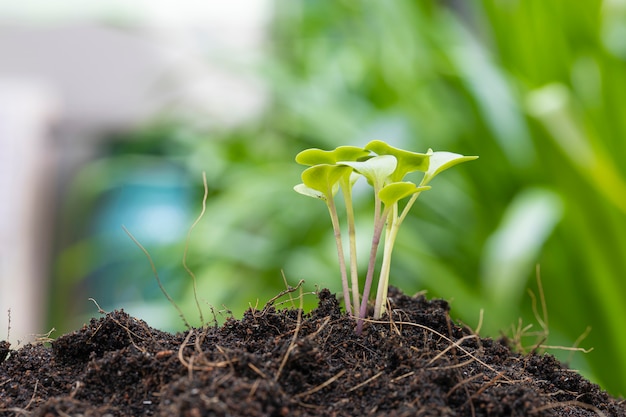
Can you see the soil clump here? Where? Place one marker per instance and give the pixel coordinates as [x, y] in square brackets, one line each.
[415, 362]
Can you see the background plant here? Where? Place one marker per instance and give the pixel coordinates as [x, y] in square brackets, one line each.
[533, 87]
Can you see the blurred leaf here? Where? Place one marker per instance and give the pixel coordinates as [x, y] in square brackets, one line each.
[515, 245]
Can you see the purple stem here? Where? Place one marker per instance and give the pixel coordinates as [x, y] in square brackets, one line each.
[378, 229]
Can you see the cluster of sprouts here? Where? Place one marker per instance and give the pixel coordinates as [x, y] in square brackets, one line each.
[385, 168]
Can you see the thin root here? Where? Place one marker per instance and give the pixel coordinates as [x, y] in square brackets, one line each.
[322, 385]
[570, 403]
[295, 333]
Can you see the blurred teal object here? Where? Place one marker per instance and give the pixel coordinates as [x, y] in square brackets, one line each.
[154, 203]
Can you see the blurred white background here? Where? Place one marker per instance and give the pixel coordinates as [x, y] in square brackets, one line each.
[71, 71]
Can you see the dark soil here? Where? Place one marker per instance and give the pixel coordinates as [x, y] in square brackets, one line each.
[283, 363]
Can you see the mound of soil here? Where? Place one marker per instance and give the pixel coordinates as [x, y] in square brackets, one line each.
[285, 363]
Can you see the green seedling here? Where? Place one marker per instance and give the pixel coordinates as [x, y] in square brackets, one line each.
[385, 168]
[325, 190]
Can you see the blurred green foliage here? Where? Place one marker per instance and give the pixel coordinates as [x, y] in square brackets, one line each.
[533, 87]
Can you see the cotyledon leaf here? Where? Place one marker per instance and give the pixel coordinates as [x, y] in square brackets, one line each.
[440, 161]
[376, 170]
[316, 156]
[324, 177]
[396, 191]
[407, 161]
[310, 192]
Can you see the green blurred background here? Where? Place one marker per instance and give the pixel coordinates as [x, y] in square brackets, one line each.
[535, 87]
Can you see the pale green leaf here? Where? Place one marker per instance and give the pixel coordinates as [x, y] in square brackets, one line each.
[310, 192]
[440, 161]
[396, 191]
[324, 177]
[376, 170]
[350, 153]
[407, 161]
[316, 156]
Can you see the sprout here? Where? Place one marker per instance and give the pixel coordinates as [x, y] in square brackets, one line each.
[384, 167]
[314, 157]
[321, 181]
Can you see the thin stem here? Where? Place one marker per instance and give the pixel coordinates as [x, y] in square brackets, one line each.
[354, 273]
[378, 229]
[393, 225]
[390, 239]
[373, 251]
[342, 261]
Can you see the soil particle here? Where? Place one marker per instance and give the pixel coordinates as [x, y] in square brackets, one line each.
[414, 362]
